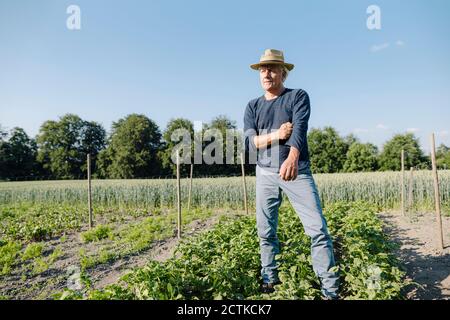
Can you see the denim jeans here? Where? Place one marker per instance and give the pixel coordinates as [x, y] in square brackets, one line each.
[304, 197]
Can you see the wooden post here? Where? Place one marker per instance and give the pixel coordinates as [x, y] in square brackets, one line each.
[403, 182]
[411, 184]
[244, 184]
[178, 195]
[89, 190]
[436, 194]
[190, 187]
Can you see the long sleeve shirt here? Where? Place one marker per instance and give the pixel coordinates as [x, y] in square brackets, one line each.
[265, 116]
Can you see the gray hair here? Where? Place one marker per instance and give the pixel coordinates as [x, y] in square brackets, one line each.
[285, 71]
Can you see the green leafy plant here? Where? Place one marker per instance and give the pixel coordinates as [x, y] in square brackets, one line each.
[224, 263]
[98, 233]
[32, 251]
[9, 253]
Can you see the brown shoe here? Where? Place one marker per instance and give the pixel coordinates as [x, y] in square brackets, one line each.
[269, 287]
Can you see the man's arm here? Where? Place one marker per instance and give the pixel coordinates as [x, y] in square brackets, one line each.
[250, 130]
[265, 140]
[253, 141]
[289, 168]
[300, 118]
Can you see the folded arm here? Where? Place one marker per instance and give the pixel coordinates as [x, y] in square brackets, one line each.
[253, 141]
[300, 118]
[265, 140]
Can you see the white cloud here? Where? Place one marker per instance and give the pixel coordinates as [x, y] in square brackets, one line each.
[382, 126]
[379, 47]
[400, 43]
[443, 133]
[412, 130]
[360, 130]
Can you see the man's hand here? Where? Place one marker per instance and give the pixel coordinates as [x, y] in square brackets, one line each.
[265, 140]
[289, 168]
[285, 131]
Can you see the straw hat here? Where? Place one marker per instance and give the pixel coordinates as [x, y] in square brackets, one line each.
[272, 56]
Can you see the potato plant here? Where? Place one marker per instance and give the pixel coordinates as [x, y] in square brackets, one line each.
[224, 263]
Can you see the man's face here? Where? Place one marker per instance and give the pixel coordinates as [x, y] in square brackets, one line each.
[271, 76]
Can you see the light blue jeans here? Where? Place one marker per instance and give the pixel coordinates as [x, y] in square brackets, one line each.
[304, 197]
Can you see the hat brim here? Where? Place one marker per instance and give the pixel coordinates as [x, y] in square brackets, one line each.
[256, 66]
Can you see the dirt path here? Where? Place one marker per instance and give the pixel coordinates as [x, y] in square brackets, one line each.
[422, 261]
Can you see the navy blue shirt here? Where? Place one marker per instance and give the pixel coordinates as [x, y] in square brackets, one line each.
[264, 116]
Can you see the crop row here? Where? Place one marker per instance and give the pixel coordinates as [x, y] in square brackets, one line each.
[223, 263]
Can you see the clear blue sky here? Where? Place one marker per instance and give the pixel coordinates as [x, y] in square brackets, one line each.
[191, 59]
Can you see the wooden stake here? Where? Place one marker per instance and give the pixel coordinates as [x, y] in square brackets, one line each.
[190, 187]
[411, 184]
[244, 184]
[89, 190]
[403, 182]
[436, 194]
[178, 194]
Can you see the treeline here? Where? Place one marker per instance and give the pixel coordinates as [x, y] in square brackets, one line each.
[137, 148]
[134, 148]
[331, 153]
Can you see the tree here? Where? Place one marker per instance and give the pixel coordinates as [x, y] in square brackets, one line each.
[4, 152]
[327, 150]
[219, 137]
[390, 157]
[64, 145]
[443, 157]
[176, 129]
[133, 147]
[361, 157]
[3, 133]
[350, 139]
[18, 156]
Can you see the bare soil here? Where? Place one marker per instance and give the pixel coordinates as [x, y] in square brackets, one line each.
[162, 250]
[22, 285]
[426, 266]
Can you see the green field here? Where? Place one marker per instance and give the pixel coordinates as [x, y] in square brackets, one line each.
[381, 188]
[223, 263]
[43, 231]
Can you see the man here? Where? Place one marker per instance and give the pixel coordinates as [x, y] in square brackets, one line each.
[275, 126]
